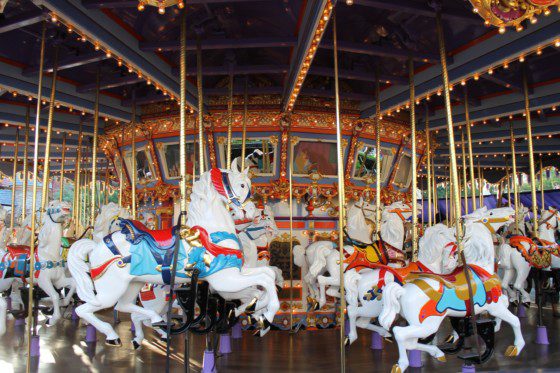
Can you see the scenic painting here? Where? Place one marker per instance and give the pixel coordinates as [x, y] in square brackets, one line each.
[366, 162]
[259, 154]
[171, 161]
[144, 165]
[315, 156]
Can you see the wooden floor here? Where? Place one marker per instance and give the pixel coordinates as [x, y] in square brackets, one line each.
[63, 350]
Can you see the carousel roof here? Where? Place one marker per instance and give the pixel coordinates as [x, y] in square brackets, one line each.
[265, 43]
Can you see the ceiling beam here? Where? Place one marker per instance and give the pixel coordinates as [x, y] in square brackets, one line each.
[113, 4]
[111, 83]
[488, 53]
[99, 26]
[310, 23]
[69, 62]
[502, 82]
[213, 44]
[419, 9]
[364, 76]
[22, 20]
[15, 119]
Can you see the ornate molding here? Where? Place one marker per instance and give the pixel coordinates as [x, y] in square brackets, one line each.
[510, 13]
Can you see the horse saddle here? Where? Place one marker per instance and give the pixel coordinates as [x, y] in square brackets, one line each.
[457, 282]
[18, 250]
[135, 232]
[539, 253]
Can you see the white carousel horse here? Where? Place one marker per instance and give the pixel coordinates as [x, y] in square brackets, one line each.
[426, 299]
[364, 291]
[120, 269]
[49, 265]
[516, 255]
[4, 230]
[322, 256]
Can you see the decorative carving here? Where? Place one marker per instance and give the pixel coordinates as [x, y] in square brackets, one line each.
[506, 13]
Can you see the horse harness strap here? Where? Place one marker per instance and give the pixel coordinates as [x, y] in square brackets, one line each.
[487, 222]
[220, 181]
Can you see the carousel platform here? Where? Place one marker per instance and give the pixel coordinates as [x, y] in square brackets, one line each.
[63, 350]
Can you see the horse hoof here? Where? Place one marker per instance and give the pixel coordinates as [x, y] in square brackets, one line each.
[136, 345]
[396, 369]
[449, 339]
[163, 339]
[389, 339]
[160, 324]
[347, 342]
[511, 351]
[250, 309]
[278, 288]
[528, 305]
[113, 342]
[442, 359]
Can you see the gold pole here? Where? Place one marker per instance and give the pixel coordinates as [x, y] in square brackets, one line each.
[450, 133]
[106, 199]
[201, 109]
[480, 186]
[30, 327]
[230, 118]
[377, 155]
[121, 169]
[290, 205]
[447, 212]
[25, 164]
[531, 155]
[514, 172]
[434, 192]
[61, 192]
[428, 169]
[133, 161]
[244, 131]
[341, 195]
[542, 184]
[413, 158]
[77, 176]
[94, 152]
[508, 185]
[14, 178]
[183, 115]
[469, 143]
[464, 159]
[46, 166]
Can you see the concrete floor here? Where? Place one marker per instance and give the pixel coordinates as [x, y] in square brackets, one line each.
[63, 350]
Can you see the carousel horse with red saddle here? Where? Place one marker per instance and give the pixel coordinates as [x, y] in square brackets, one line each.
[49, 268]
[207, 246]
[425, 299]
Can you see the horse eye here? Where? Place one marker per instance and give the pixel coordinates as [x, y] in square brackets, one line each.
[242, 185]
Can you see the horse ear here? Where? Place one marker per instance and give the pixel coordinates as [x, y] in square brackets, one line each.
[234, 167]
[246, 171]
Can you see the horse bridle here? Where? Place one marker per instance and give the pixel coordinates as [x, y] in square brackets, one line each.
[50, 210]
[553, 212]
[487, 222]
[400, 212]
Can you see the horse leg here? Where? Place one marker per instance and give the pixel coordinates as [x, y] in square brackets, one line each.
[506, 280]
[352, 312]
[231, 280]
[3, 309]
[137, 320]
[500, 311]
[86, 311]
[70, 284]
[46, 284]
[407, 339]
[127, 303]
[522, 270]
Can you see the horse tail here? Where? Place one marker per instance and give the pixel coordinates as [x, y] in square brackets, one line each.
[392, 293]
[351, 279]
[299, 255]
[77, 256]
[321, 255]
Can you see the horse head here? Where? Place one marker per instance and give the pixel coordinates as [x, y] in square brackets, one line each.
[3, 216]
[437, 248]
[57, 211]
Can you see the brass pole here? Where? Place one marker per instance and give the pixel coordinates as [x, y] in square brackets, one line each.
[230, 118]
[469, 143]
[201, 109]
[244, 130]
[290, 205]
[434, 186]
[133, 162]
[121, 169]
[531, 155]
[106, 199]
[14, 178]
[447, 212]
[30, 327]
[377, 154]
[542, 184]
[183, 115]
[94, 152]
[450, 133]
[428, 169]
[46, 166]
[464, 159]
[480, 186]
[25, 164]
[61, 192]
[514, 180]
[77, 177]
[341, 195]
[413, 159]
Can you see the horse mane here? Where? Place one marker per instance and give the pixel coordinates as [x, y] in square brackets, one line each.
[356, 225]
[392, 228]
[478, 245]
[433, 241]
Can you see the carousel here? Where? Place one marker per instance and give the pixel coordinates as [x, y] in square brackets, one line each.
[296, 185]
